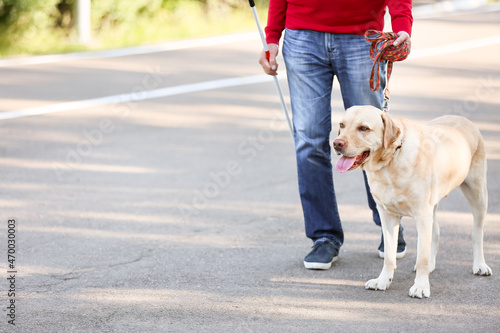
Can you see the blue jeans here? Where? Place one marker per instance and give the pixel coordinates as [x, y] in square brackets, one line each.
[312, 60]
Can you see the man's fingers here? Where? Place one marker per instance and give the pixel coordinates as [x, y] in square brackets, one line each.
[270, 66]
[266, 65]
[273, 63]
[273, 53]
[403, 36]
[400, 40]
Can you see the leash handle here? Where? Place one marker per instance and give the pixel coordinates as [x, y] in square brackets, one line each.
[382, 48]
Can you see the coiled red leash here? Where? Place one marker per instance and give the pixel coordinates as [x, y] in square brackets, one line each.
[382, 48]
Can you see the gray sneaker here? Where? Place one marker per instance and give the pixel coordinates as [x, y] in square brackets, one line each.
[323, 254]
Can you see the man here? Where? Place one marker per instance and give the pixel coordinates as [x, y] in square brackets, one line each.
[324, 39]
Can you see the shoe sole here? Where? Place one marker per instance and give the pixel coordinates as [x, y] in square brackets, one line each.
[399, 255]
[320, 265]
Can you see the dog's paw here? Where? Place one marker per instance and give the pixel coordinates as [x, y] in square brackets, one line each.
[420, 291]
[481, 269]
[378, 284]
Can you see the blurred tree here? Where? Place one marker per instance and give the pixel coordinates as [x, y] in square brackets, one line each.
[22, 20]
[114, 12]
[65, 18]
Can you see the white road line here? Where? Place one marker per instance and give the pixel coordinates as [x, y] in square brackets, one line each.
[130, 51]
[455, 7]
[457, 47]
[133, 97]
[224, 83]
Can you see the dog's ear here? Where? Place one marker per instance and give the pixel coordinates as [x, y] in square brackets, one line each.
[391, 130]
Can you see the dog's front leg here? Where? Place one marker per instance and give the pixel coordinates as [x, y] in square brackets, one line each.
[390, 230]
[422, 288]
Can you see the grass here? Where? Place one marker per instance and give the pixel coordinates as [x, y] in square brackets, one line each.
[185, 22]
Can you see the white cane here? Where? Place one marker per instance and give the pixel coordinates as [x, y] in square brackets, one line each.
[266, 49]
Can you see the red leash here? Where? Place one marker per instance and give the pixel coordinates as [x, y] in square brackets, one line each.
[382, 48]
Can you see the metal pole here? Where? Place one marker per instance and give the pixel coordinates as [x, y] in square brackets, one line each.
[266, 49]
[83, 20]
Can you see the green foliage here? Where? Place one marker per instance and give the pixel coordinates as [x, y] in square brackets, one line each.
[23, 21]
[115, 12]
[45, 26]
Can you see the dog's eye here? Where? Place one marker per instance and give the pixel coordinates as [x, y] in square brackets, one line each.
[342, 125]
[363, 128]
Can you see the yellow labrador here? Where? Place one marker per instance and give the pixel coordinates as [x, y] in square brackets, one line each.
[410, 168]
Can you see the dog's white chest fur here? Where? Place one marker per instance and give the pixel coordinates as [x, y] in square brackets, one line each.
[392, 186]
[387, 195]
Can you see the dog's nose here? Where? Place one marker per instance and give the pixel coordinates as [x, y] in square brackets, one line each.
[338, 144]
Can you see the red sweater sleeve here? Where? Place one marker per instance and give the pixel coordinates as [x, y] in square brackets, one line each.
[401, 16]
[275, 20]
[336, 16]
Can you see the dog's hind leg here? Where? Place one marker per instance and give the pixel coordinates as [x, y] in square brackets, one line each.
[475, 191]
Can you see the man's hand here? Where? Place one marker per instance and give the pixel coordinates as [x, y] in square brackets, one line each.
[270, 67]
[404, 37]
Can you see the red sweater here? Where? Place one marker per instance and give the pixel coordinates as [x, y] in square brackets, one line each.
[336, 16]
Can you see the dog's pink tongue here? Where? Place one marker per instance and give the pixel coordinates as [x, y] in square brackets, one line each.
[344, 164]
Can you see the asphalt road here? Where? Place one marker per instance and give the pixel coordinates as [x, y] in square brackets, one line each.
[180, 213]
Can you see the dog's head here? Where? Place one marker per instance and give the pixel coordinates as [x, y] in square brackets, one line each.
[366, 135]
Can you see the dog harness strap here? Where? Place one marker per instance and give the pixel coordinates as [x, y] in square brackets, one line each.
[382, 49]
